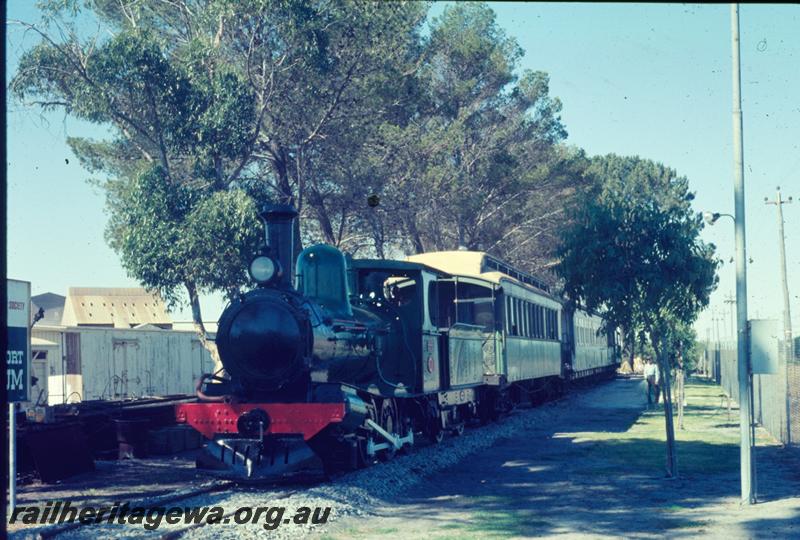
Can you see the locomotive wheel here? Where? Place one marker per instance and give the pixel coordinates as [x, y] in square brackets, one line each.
[433, 427]
[389, 423]
[406, 426]
[362, 459]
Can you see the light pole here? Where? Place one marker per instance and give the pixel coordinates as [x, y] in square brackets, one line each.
[747, 465]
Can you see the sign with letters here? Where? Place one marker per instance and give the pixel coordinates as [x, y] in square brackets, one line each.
[18, 368]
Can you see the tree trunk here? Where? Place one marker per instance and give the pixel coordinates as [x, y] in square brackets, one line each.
[314, 200]
[378, 238]
[627, 363]
[633, 348]
[200, 327]
[680, 380]
[663, 365]
[416, 239]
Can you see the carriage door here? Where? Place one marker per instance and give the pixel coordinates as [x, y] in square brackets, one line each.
[567, 339]
[469, 305]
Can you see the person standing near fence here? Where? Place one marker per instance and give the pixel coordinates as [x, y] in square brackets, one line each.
[651, 375]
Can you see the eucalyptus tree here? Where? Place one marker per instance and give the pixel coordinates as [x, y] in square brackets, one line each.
[461, 170]
[212, 105]
[634, 252]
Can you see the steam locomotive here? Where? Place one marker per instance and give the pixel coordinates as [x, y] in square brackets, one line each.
[354, 360]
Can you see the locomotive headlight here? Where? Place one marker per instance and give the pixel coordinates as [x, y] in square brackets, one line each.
[262, 269]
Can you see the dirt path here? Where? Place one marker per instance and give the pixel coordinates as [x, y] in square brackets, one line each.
[594, 468]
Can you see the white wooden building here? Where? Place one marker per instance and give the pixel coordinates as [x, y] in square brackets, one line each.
[114, 344]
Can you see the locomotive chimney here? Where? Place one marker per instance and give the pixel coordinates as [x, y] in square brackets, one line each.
[279, 226]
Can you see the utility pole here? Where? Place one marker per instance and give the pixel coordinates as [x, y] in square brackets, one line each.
[747, 465]
[787, 317]
[730, 299]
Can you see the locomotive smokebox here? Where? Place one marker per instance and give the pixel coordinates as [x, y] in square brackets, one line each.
[262, 341]
[279, 226]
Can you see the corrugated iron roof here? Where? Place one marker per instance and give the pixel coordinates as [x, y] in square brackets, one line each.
[117, 307]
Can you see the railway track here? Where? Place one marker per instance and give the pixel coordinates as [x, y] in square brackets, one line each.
[59, 530]
[226, 518]
[265, 490]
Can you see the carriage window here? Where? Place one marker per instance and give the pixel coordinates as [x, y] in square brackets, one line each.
[552, 324]
[465, 303]
[532, 331]
[509, 315]
[529, 314]
[514, 318]
[524, 313]
[396, 288]
[542, 322]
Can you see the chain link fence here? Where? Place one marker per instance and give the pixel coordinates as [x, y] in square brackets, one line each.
[776, 397]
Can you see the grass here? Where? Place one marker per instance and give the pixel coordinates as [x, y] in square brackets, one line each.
[497, 524]
[708, 444]
[707, 449]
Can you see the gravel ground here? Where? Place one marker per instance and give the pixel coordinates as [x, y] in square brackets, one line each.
[355, 494]
[587, 466]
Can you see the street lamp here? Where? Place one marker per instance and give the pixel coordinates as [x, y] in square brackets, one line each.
[712, 217]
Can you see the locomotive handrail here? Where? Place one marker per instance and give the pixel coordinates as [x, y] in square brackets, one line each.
[205, 397]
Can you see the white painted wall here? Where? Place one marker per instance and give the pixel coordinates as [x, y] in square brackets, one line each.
[122, 363]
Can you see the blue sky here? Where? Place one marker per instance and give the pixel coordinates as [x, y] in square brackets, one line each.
[652, 80]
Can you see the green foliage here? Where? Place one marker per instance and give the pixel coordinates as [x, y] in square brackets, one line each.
[635, 251]
[170, 236]
[214, 97]
[471, 166]
[217, 105]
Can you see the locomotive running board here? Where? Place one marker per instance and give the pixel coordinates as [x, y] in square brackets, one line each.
[252, 458]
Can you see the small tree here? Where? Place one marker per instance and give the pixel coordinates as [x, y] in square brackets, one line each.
[175, 239]
[634, 251]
